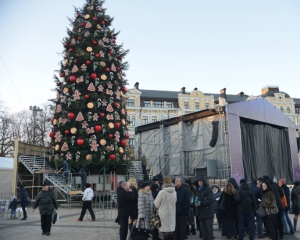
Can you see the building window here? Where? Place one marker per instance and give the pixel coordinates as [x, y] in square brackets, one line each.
[297, 110]
[281, 108]
[129, 102]
[207, 105]
[158, 104]
[145, 120]
[197, 105]
[154, 118]
[147, 103]
[186, 105]
[133, 121]
[169, 105]
[128, 120]
[288, 110]
[131, 142]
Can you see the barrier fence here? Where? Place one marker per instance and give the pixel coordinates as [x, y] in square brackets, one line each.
[5, 199]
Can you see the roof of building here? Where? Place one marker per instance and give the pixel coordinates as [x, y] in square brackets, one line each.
[270, 93]
[158, 94]
[297, 101]
[230, 97]
[6, 163]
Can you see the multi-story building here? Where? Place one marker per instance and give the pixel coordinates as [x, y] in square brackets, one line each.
[147, 106]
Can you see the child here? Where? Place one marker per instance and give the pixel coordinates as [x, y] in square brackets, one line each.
[13, 207]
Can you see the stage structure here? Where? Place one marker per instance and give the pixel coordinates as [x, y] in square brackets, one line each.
[213, 143]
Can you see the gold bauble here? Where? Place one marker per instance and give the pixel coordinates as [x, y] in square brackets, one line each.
[120, 150]
[73, 130]
[89, 157]
[89, 49]
[65, 90]
[103, 64]
[90, 105]
[103, 77]
[98, 26]
[66, 61]
[57, 147]
[102, 142]
[55, 122]
[123, 121]
[87, 16]
[111, 125]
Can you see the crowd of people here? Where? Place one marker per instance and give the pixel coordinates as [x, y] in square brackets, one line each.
[184, 207]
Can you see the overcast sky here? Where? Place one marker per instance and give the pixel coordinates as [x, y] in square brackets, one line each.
[240, 45]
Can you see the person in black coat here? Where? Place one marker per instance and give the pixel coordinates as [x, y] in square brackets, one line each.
[296, 202]
[83, 177]
[217, 194]
[204, 208]
[124, 199]
[245, 206]
[182, 209]
[287, 194]
[13, 207]
[23, 201]
[234, 183]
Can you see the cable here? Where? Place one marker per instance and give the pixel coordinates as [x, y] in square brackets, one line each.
[12, 82]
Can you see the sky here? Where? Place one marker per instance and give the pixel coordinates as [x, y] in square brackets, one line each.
[208, 44]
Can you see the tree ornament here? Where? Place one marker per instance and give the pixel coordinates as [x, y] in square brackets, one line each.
[98, 8]
[120, 150]
[86, 96]
[73, 42]
[87, 62]
[87, 33]
[76, 61]
[109, 117]
[127, 135]
[95, 18]
[78, 15]
[58, 84]
[71, 115]
[93, 76]
[86, 16]
[123, 89]
[97, 55]
[66, 44]
[90, 130]
[90, 8]
[88, 25]
[117, 136]
[90, 105]
[57, 136]
[102, 114]
[71, 49]
[67, 132]
[57, 147]
[76, 95]
[79, 38]
[111, 52]
[62, 120]
[118, 68]
[52, 134]
[68, 156]
[102, 64]
[79, 80]
[123, 142]
[98, 128]
[80, 141]
[110, 148]
[109, 108]
[100, 88]
[79, 117]
[113, 68]
[83, 67]
[89, 157]
[111, 125]
[107, 70]
[102, 22]
[94, 146]
[73, 130]
[103, 77]
[91, 88]
[83, 24]
[112, 157]
[61, 74]
[74, 69]
[110, 135]
[94, 42]
[65, 147]
[89, 49]
[73, 78]
[116, 104]
[117, 124]
[103, 142]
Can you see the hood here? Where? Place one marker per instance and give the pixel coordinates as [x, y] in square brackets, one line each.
[14, 198]
[254, 181]
[219, 189]
[233, 182]
[203, 179]
[21, 186]
[169, 188]
[245, 186]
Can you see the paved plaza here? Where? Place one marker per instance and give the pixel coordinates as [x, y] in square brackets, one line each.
[104, 228]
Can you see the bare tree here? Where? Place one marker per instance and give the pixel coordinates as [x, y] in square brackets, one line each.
[6, 139]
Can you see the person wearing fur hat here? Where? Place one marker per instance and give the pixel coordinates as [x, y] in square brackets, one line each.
[23, 197]
[165, 202]
[46, 201]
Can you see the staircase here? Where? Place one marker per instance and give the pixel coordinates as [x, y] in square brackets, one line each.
[136, 170]
[36, 164]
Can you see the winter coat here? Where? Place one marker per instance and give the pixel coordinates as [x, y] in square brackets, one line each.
[245, 200]
[206, 199]
[66, 166]
[46, 201]
[166, 204]
[23, 196]
[183, 201]
[145, 210]
[13, 204]
[88, 194]
[233, 182]
[278, 195]
[216, 196]
[124, 200]
[294, 199]
[83, 175]
[134, 202]
[287, 194]
[257, 192]
[154, 189]
[269, 203]
[231, 208]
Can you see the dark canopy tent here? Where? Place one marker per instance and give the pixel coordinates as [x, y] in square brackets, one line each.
[266, 150]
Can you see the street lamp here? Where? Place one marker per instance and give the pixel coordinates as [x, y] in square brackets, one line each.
[34, 110]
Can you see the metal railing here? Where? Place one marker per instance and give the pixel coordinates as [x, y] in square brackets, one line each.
[5, 199]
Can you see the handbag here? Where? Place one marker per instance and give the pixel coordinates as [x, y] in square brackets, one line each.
[55, 217]
[284, 201]
[261, 212]
[155, 219]
[222, 206]
[139, 231]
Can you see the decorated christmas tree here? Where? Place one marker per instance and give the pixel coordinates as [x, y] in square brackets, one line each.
[90, 117]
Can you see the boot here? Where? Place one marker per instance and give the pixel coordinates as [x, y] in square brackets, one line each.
[295, 223]
[187, 230]
[130, 231]
[193, 230]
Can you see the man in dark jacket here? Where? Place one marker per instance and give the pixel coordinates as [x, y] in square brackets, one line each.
[83, 176]
[217, 194]
[245, 206]
[65, 174]
[204, 208]
[124, 198]
[23, 201]
[182, 209]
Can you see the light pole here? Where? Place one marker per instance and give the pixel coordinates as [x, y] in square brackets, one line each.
[34, 110]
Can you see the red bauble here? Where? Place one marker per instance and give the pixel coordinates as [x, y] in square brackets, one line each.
[123, 142]
[117, 124]
[73, 78]
[76, 61]
[61, 74]
[127, 135]
[94, 42]
[120, 58]
[58, 84]
[52, 134]
[102, 114]
[95, 18]
[71, 115]
[71, 50]
[114, 41]
[79, 38]
[110, 135]
[116, 104]
[118, 68]
[80, 141]
[97, 55]
[93, 76]
[123, 89]
[115, 37]
[86, 96]
[83, 24]
[78, 15]
[98, 128]
[67, 131]
[112, 157]
[111, 52]
[66, 44]
[102, 22]
[87, 62]
[52, 119]
[107, 70]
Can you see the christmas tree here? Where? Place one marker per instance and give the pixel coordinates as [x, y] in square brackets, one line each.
[90, 117]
